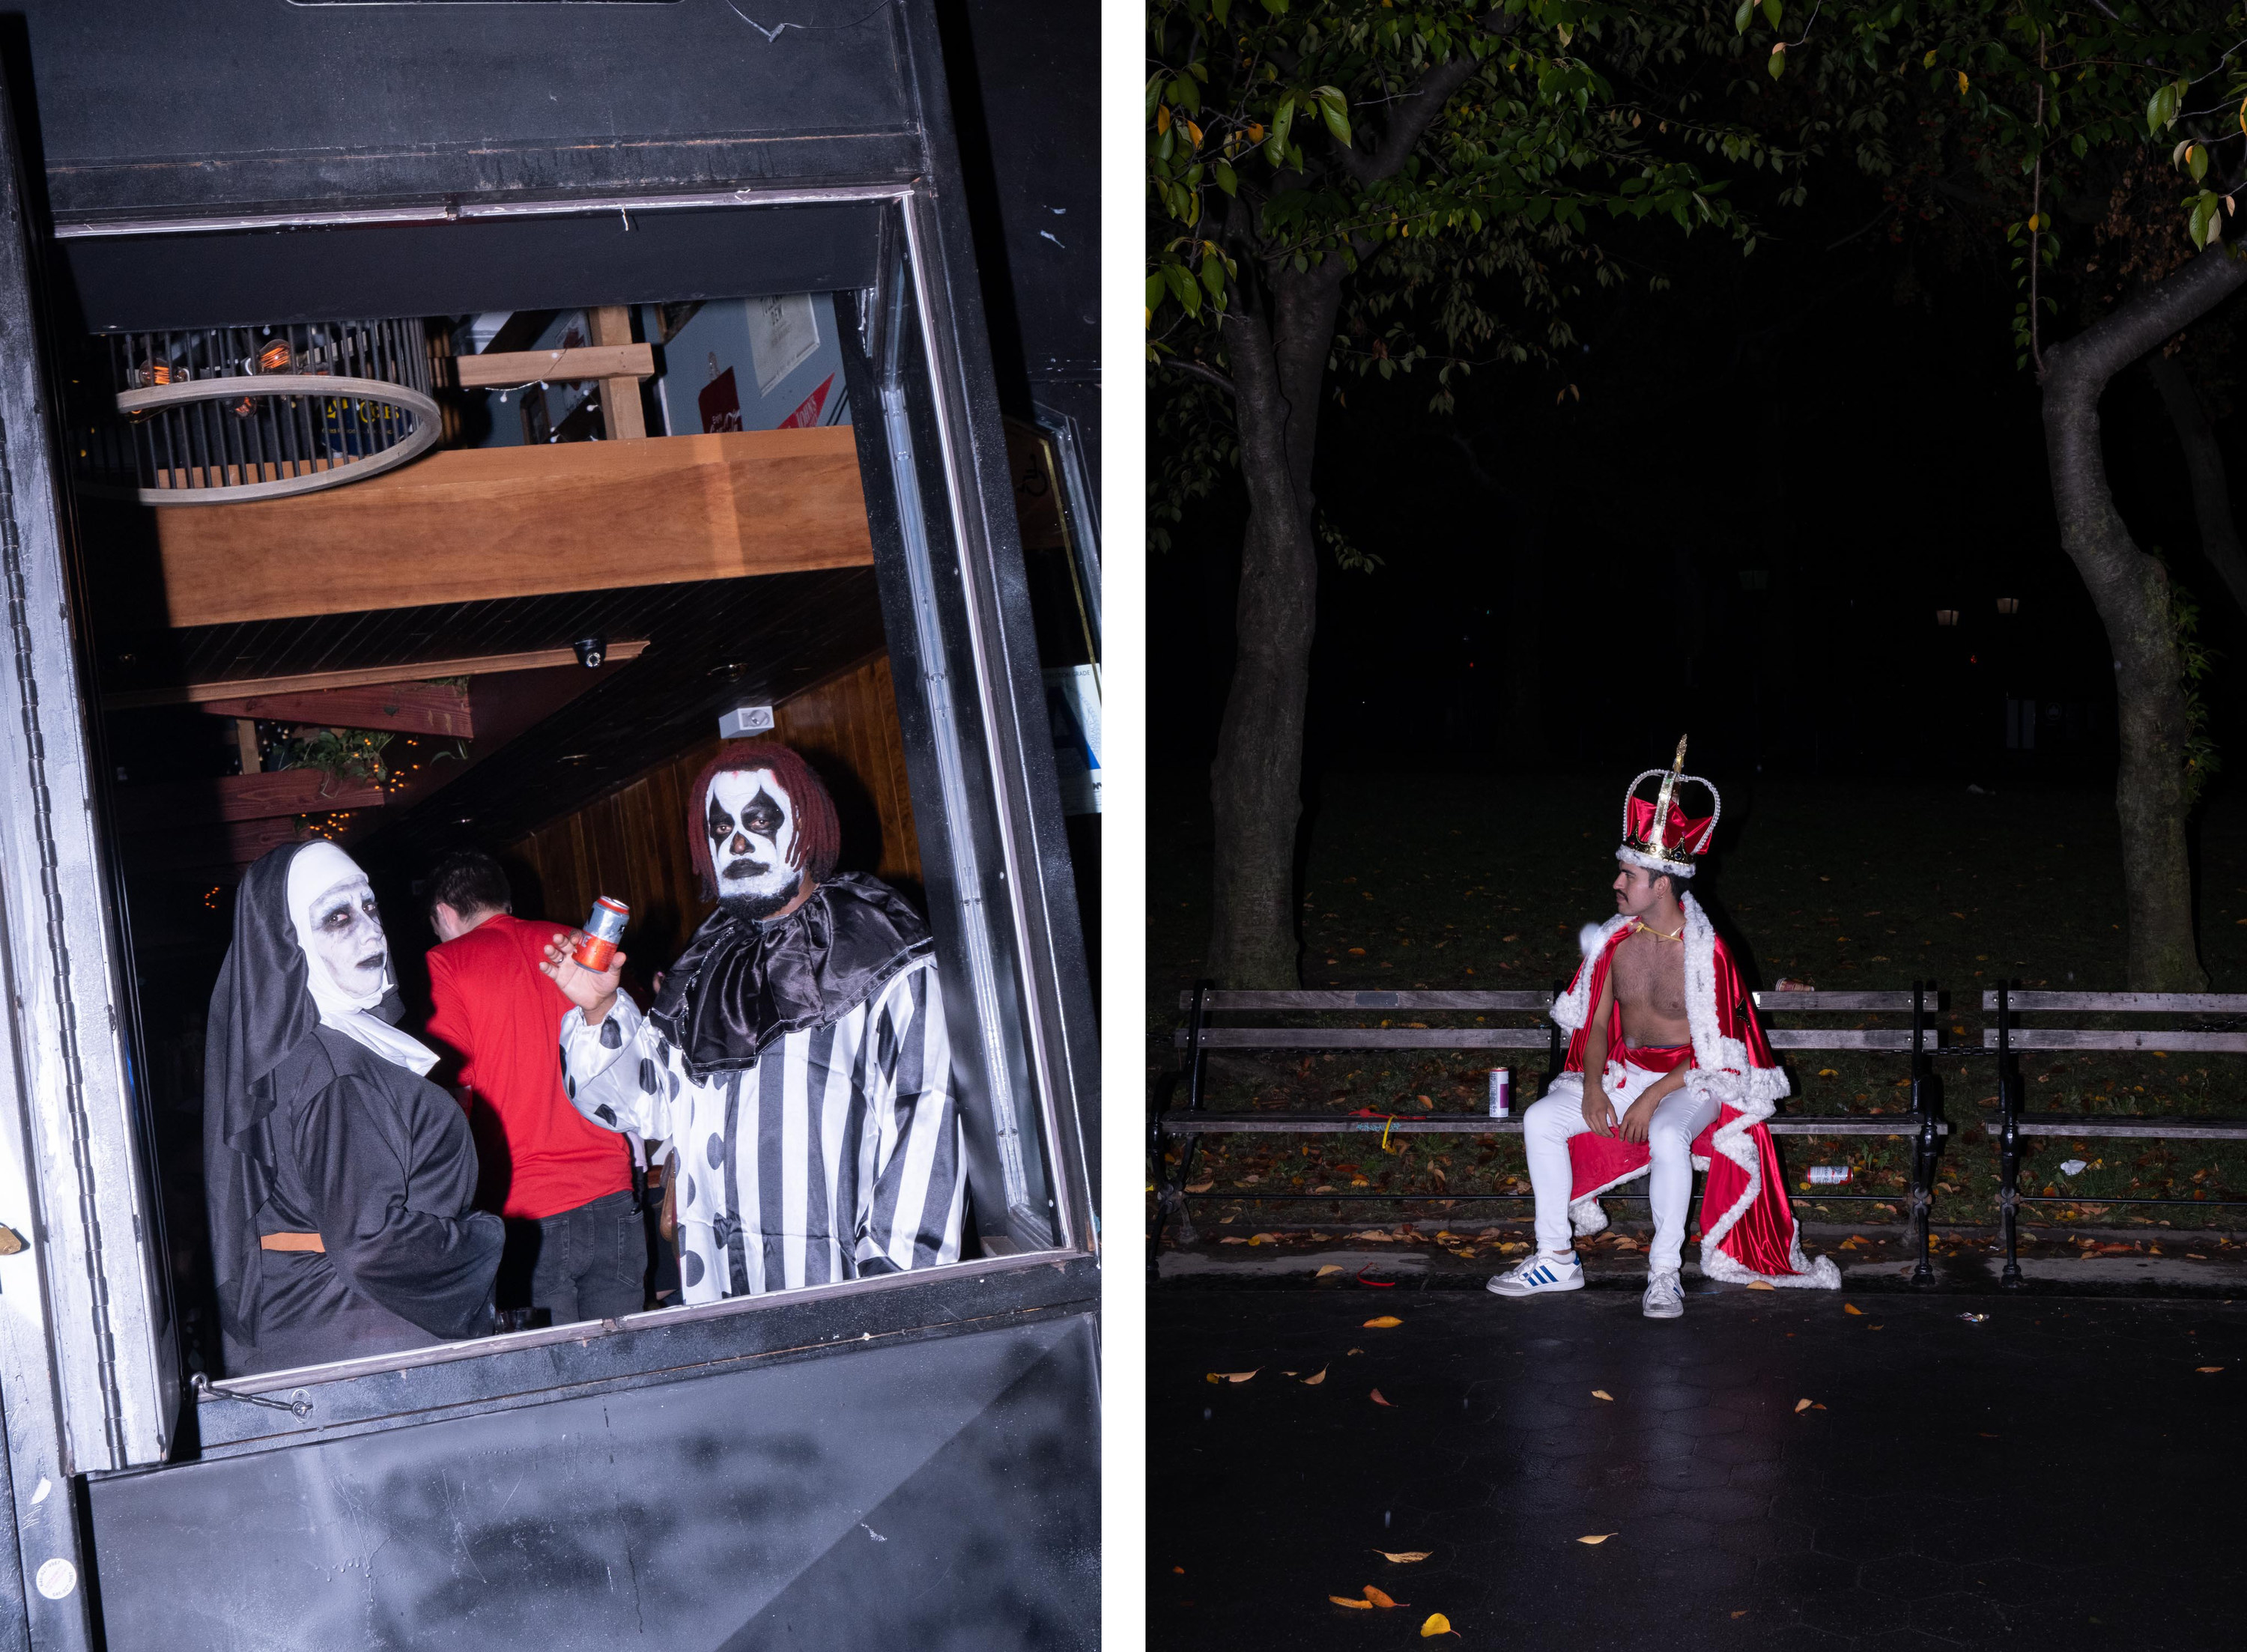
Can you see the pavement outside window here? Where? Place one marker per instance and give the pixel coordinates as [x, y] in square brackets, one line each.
[1772, 1472]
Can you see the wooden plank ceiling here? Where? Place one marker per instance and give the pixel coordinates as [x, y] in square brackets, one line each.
[718, 568]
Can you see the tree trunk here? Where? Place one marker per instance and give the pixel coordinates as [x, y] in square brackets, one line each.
[2212, 491]
[2131, 591]
[1278, 358]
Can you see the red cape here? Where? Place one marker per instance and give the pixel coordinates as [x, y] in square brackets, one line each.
[1748, 1230]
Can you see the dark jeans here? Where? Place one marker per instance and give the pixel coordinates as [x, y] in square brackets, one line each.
[586, 1263]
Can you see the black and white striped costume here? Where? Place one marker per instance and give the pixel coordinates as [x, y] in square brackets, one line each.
[836, 1146]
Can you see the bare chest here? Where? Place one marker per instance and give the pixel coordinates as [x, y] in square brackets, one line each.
[1649, 980]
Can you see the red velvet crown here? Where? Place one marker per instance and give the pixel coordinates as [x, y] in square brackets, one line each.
[1658, 834]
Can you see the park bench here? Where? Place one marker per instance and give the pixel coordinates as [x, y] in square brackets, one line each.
[1199, 1036]
[2007, 1038]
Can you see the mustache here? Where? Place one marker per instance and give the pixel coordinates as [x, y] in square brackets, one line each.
[744, 867]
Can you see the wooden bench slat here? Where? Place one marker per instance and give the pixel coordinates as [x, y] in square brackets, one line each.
[1880, 1002]
[2128, 1003]
[2150, 1037]
[1535, 1002]
[2132, 1128]
[1191, 1124]
[1842, 1037]
[1366, 1038]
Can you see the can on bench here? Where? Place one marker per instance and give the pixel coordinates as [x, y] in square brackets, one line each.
[1501, 1092]
[602, 930]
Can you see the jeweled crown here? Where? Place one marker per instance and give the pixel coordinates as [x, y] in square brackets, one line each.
[1657, 833]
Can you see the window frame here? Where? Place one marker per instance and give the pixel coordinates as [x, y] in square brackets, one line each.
[1021, 852]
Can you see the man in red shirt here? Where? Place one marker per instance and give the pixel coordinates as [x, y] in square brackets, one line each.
[563, 1185]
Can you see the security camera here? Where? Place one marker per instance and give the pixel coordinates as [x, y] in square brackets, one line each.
[591, 651]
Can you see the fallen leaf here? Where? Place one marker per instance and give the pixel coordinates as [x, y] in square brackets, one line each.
[1265, 1238]
[1180, 1570]
[1236, 1239]
[1600, 1537]
[1601, 1394]
[1381, 1600]
[1801, 1406]
[1851, 1308]
[1377, 1400]
[1343, 1600]
[1437, 1624]
[1741, 1613]
[1200, 1187]
[1404, 1557]
[1233, 1376]
[1355, 1350]
[1758, 1285]
[1331, 1267]
[1313, 1382]
[1384, 1322]
[2208, 1369]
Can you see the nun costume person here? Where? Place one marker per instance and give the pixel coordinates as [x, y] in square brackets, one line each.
[339, 1180]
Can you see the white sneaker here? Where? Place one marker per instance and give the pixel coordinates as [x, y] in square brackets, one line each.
[1665, 1296]
[1539, 1274]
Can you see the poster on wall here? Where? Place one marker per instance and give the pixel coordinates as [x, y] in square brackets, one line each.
[783, 332]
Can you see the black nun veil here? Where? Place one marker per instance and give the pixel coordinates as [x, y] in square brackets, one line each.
[262, 1011]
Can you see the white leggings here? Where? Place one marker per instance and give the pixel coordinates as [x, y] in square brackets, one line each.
[1678, 1118]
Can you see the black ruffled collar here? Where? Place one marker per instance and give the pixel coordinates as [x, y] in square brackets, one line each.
[741, 987]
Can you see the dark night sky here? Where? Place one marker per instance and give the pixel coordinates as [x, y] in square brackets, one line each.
[1848, 424]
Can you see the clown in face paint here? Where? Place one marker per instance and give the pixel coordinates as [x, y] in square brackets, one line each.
[754, 851]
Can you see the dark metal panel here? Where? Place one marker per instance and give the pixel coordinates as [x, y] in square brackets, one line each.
[244, 277]
[925, 1496]
[1009, 673]
[521, 1368]
[233, 104]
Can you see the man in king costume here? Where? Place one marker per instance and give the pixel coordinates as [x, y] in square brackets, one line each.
[1659, 1011]
[796, 1057]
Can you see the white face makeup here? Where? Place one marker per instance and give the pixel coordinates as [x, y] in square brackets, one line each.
[752, 826]
[343, 934]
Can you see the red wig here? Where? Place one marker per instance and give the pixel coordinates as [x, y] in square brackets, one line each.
[818, 838]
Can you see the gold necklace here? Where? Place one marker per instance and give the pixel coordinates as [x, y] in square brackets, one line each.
[1645, 928]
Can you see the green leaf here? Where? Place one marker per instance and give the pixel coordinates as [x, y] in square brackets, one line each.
[1156, 288]
[1338, 122]
[1745, 15]
[2077, 147]
[1283, 120]
[1771, 9]
[1225, 180]
[1154, 95]
[1778, 62]
[1221, 7]
[2196, 159]
[1212, 276]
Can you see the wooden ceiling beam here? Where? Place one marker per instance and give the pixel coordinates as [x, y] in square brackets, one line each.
[482, 524]
[240, 688]
[406, 708]
[174, 804]
[607, 359]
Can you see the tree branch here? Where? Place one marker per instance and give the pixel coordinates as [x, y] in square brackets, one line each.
[1200, 372]
[2172, 303]
[1417, 110]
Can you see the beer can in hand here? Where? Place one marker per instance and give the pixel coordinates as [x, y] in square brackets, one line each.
[1501, 1092]
[602, 930]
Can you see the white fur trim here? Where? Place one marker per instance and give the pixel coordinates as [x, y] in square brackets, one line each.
[1630, 857]
[1588, 939]
[1574, 1007]
[1586, 1216]
[1753, 1093]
